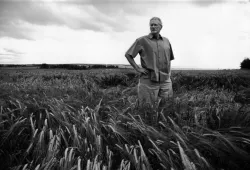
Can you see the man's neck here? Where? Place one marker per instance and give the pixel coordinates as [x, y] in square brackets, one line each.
[156, 36]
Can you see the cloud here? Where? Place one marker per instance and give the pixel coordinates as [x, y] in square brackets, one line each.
[101, 32]
[31, 12]
[88, 17]
[206, 3]
[99, 16]
[8, 56]
[16, 15]
[15, 30]
[8, 60]
[12, 51]
[112, 7]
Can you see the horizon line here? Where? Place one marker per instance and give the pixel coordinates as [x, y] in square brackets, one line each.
[128, 65]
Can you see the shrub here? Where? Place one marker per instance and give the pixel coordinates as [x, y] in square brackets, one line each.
[44, 65]
[245, 64]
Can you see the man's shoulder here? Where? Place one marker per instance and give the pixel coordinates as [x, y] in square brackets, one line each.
[165, 38]
[147, 36]
[142, 37]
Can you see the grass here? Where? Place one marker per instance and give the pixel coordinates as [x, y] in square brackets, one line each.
[61, 119]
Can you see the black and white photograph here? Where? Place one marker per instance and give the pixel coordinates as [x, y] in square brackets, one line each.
[124, 84]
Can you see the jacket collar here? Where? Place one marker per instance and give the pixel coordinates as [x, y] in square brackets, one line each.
[150, 35]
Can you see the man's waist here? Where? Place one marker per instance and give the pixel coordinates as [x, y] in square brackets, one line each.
[157, 76]
[158, 71]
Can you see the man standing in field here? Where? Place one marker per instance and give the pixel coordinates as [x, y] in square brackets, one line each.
[156, 55]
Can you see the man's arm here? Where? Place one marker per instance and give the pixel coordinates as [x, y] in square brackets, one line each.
[134, 65]
[132, 53]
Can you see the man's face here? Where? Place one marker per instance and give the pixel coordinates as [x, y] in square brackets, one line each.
[155, 26]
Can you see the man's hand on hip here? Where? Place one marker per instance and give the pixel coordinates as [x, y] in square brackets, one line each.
[135, 66]
[143, 71]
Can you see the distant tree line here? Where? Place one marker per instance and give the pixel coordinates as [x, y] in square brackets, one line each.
[75, 67]
[103, 66]
[63, 66]
[245, 64]
[13, 65]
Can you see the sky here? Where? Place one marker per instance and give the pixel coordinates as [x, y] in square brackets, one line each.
[212, 34]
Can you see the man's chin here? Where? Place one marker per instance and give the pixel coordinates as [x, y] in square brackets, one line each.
[154, 32]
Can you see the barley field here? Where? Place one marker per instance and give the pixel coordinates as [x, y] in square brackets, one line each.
[88, 119]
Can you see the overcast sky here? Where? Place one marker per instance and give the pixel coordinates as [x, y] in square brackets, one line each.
[203, 33]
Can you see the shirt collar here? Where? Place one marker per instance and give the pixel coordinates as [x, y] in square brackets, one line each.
[151, 36]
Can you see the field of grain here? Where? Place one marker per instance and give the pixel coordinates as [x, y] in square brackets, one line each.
[73, 119]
